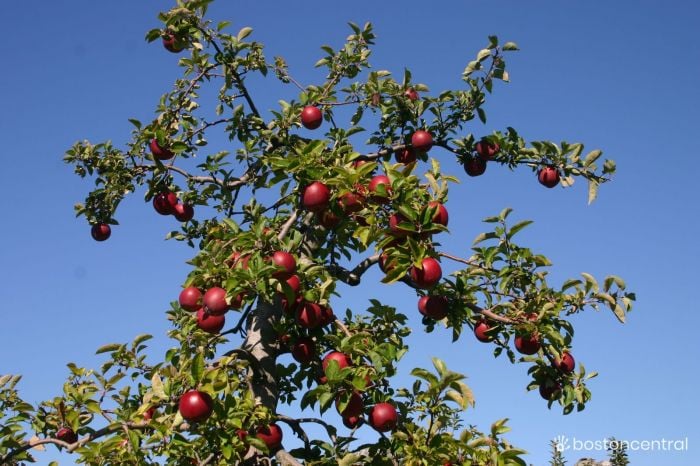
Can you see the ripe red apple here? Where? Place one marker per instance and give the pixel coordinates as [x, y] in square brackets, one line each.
[435, 307]
[165, 202]
[196, 406]
[294, 283]
[441, 217]
[159, 152]
[528, 344]
[481, 332]
[351, 202]
[351, 422]
[487, 149]
[328, 219]
[67, 435]
[548, 176]
[327, 315]
[215, 301]
[354, 406]
[315, 197]
[237, 260]
[191, 298]
[100, 231]
[475, 166]
[271, 435]
[149, 413]
[422, 140]
[411, 94]
[566, 364]
[428, 276]
[209, 322]
[394, 221]
[548, 387]
[286, 265]
[304, 350]
[374, 184]
[342, 359]
[171, 43]
[383, 417]
[183, 212]
[309, 315]
[311, 117]
[406, 155]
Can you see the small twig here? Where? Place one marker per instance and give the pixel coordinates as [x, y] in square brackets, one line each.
[353, 277]
[287, 225]
[489, 313]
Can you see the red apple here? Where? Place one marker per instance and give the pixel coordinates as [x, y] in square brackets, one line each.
[149, 413]
[375, 182]
[327, 315]
[351, 422]
[209, 322]
[67, 435]
[428, 276]
[294, 283]
[311, 117]
[286, 265]
[236, 260]
[159, 152]
[422, 141]
[328, 219]
[165, 202]
[315, 197]
[351, 202]
[191, 298]
[183, 212]
[548, 176]
[435, 307]
[341, 358]
[354, 406]
[304, 350]
[411, 94]
[271, 435]
[481, 330]
[406, 155]
[487, 149]
[528, 344]
[475, 166]
[394, 221]
[215, 301]
[383, 417]
[548, 387]
[309, 315]
[100, 231]
[196, 406]
[441, 217]
[566, 364]
[171, 43]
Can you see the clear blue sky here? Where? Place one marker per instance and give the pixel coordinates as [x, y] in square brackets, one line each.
[620, 76]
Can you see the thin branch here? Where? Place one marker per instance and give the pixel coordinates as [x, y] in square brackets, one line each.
[353, 277]
[287, 225]
[489, 314]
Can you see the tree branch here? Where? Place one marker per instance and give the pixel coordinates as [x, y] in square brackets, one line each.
[353, 277]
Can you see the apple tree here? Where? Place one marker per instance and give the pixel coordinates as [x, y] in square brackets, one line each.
[280, 206]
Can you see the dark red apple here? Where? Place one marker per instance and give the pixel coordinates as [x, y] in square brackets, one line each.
[236, 260]
[487, 149]
[271, 435]
[528, 344]
[351, 422]
[196, 406]
[294, 283]
[351, 202]
[311, 117]
[354, 406]
[406, 155]
[383, 417]
[304, 350]
[435, 307]
[149, 413]
[481, 330]
[191, 298]
[475, 166]
[548, 387]
[172, 44]
[315, 197]
[215, 301]
[428, 276]
[375, 182]
[341, 358]
[159, 152]
[209, 322]
[309, 315]
[183, 212]
[394, 225]
[441, 217]
[165, 202]
[286, 265]
[327, 315]
[566, 364]
[548, 176]
[67, 435]
[100, 231]
[411, 94]
[328, 219]
[422, 140]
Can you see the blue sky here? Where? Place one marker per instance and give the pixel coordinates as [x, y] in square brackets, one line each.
[620, 76]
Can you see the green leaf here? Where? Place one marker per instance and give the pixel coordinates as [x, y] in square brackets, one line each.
[157, 387]
[483, 54]
[517, 227]
[198, 367]
[510, 46]
[243, 33]
[591, 157]
[592, 191]
[108, 348]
